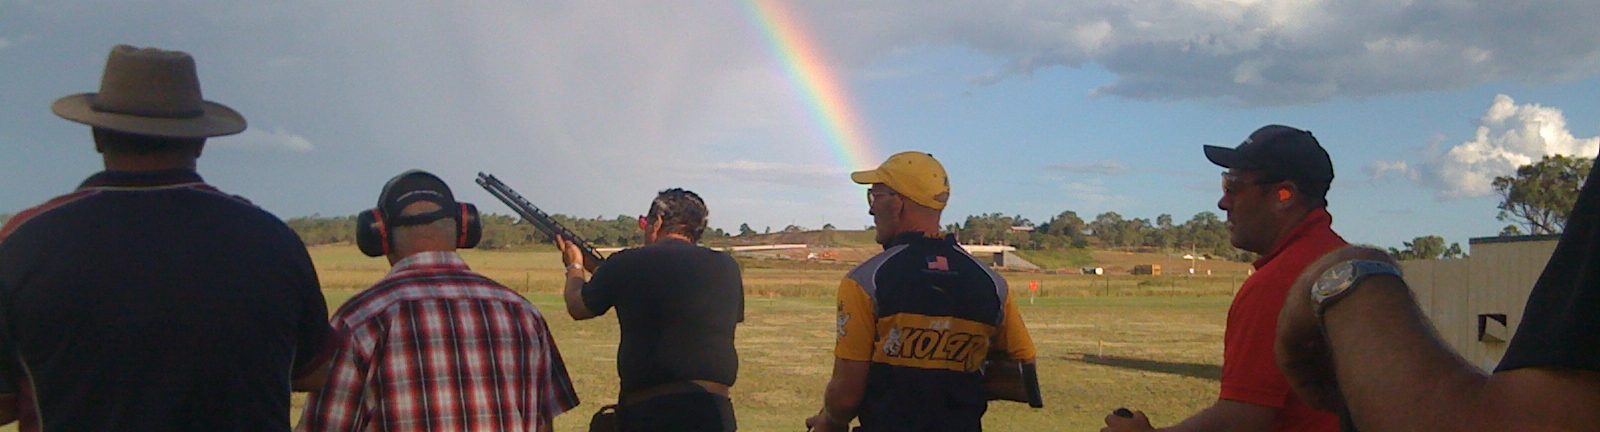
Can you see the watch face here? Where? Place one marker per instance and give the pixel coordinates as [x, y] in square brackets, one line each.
[1332, 281]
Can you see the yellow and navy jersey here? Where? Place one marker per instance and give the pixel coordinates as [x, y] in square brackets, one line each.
[926, 314]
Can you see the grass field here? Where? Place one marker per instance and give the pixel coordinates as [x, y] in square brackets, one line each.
[1152, 343]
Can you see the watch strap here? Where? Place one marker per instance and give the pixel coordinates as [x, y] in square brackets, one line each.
[1338, 281]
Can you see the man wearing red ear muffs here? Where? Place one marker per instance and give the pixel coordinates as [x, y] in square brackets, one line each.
[1275, 195]
[434, 345]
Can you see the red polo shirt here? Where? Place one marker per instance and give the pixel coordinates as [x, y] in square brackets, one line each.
[1249, 366]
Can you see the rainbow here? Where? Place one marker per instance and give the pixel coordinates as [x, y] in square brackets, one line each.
[809, 71]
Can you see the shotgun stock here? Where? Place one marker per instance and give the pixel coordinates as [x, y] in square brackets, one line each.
[1007, 379]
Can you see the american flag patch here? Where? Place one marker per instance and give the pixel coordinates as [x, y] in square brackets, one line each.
[938, 263]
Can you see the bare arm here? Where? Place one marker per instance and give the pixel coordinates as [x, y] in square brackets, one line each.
[1396, 374]
[843, 396]
[8, 408]
[1225, 415]
[572, 292]
[314, 379]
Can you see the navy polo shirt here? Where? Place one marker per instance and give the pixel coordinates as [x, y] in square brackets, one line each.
[151, 301]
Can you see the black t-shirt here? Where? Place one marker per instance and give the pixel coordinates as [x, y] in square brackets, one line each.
[677, 304]
[154, 302]
[1561, 323]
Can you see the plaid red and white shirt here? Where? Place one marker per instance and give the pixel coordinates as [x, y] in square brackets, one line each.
[435, 346]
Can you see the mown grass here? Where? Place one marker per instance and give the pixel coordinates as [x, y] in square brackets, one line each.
[1151, 343]
[1072, 258]
[1159, 354]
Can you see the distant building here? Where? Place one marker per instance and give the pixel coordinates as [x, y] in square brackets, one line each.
[1476, 302]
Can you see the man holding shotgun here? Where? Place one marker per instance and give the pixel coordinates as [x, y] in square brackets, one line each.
[677, 303]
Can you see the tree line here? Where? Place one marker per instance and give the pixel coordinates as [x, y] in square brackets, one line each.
[1537, 199]
[499, 231]
[1203, 234]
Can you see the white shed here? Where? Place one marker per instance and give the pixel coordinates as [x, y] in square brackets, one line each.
[1476, 302]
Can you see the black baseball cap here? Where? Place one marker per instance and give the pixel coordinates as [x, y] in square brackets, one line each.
[411, 187]
[1278, 150]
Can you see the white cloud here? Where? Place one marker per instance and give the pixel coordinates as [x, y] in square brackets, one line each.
[788, 174]
[620, 94]
[1383, 170]
[1094, 194]
[1252, 52]
[275, 139]
[1508, 136]
[1105, 167]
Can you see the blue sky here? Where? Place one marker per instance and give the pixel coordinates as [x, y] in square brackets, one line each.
[1035, 107]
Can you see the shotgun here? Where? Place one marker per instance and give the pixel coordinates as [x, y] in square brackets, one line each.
[1007, 379]
[538, 218]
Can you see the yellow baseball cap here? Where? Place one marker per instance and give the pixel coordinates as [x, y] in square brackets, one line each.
[915, 175]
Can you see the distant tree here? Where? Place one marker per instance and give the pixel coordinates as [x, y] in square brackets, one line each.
[827, 227]
[1206, 233]
[1108, 228]
[714, 234]
[1424, 248]
[745, 230]
[794, 229]
[1454, 251]
[982, 229]
[1540, 196]
[1510, 231]
[1427, 247]
[1134, 232]
[1067, 225]
[1165, 234]
[319, 230]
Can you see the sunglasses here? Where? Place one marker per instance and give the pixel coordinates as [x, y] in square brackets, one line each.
[1231, 182]
[873, 196]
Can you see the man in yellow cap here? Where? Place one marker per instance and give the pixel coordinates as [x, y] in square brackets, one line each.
[916, 321]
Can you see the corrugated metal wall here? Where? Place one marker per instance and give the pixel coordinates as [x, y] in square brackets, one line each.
[1495, 279]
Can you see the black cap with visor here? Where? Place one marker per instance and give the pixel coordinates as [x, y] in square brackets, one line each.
[1279, 151]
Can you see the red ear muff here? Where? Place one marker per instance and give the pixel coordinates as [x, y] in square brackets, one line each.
[469, 230]
[372, 235]
[1284, 195]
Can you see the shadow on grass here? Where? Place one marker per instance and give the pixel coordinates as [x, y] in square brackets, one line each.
[1192, 370]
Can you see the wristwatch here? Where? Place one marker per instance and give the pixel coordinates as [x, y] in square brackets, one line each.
[1335, 283]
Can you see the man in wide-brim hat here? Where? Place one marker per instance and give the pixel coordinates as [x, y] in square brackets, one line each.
[147, 299]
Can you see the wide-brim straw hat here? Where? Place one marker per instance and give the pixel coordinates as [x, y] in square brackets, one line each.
[149, 91]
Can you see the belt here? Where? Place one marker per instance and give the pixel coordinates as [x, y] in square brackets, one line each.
[690, 386]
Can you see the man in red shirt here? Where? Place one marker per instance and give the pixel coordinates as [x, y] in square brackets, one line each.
[1275, 195]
